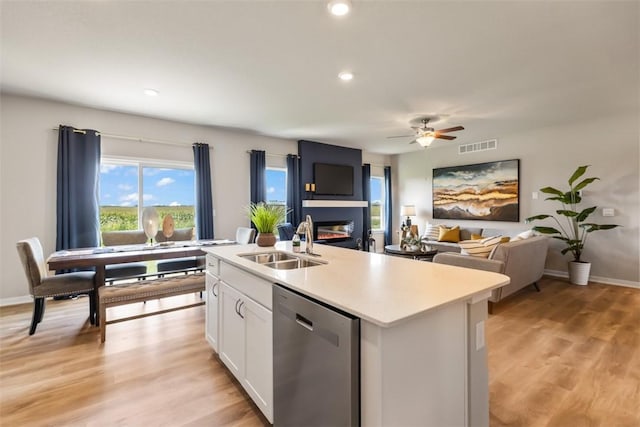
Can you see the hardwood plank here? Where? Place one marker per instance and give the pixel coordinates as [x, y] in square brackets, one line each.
[575, 362]
[156, 371]
[566, 356]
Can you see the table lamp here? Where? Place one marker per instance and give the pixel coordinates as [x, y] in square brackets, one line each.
[408, 211]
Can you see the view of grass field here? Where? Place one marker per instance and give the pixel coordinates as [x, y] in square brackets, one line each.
[113, 218]
[376, 216]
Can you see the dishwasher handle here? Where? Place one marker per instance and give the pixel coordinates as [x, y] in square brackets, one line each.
[304, 322]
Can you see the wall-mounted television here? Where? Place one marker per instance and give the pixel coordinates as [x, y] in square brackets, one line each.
[333, 180]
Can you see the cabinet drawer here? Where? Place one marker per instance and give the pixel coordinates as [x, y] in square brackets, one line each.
[213, 265]
[254, 287]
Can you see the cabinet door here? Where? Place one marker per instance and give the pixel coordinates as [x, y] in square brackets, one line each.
[258, 357]
[231, 330]
[211, 314]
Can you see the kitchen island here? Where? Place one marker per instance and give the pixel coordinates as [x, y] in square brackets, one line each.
[422, 351]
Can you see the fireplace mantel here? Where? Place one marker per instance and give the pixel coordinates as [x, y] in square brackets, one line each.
[334, 203]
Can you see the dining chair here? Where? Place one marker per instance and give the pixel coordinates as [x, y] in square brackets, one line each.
[245, 235]
[179, 264]
[286, 231]
[131, 269]
[41, 286]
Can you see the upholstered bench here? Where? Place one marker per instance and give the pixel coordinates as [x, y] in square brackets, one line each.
[114, 295]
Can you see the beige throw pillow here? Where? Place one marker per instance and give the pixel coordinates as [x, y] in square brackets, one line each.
[479, 248]
[524, 235]
[432, 232]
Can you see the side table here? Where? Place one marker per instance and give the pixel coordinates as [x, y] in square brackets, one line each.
[417, 254]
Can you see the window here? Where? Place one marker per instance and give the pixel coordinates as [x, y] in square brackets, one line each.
[276, 183]
[377, 202]
[170, 188]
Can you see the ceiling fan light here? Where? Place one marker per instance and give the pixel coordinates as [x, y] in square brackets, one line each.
[425, 140]
[339, 7]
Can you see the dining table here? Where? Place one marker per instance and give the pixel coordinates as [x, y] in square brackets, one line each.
[98, 258]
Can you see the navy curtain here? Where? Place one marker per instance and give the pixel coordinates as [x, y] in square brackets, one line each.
[204, 202]
[258, 178]
[77, 206]
[293, 189]
[387, 206]
[366, 193]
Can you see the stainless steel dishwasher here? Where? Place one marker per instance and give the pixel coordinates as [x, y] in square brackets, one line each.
[316, 363]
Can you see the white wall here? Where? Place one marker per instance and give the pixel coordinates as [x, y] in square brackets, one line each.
[547, 158]
[28, 153]
[28, 169]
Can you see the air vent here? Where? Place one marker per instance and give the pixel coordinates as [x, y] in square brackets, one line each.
[490, 144]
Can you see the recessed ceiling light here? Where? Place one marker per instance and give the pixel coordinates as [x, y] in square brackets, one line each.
[151, 92]
[339, 7]
[345, 76]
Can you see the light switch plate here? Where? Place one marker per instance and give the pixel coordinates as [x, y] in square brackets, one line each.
[608, 212]
[534, 195]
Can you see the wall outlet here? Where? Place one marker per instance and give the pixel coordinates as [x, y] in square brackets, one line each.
[608, 212]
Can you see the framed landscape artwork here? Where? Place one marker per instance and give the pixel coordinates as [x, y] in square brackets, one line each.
[483, 191]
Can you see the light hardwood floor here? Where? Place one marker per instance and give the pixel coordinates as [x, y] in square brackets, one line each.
[567, 356]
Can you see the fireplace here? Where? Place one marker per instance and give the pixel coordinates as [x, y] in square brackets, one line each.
[333, 231]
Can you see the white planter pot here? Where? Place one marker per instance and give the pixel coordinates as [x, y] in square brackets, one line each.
[579, 272]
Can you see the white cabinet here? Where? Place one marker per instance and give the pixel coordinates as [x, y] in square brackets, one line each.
[245, 338]
[258, 357]
[212, 288]
[232, 334]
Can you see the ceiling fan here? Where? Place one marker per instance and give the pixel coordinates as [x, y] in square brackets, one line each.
[425, 135]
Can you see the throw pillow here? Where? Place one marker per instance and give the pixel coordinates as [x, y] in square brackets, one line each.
[476, 236]
[479, 248]
[449, 234]
[505, 239]
[524, 235]
[432, 232]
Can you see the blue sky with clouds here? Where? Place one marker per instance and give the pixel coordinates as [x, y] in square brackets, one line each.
[175, 187]
[161, 186]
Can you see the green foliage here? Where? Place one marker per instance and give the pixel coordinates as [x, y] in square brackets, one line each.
[376, 216]
[266, 216]
[574, 234]
[113, 218]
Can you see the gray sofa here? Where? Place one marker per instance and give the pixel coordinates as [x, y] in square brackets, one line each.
[522, 260]
[465, 234]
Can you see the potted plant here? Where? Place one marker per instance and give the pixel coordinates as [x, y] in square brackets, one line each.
[575, 230]
[266, 217]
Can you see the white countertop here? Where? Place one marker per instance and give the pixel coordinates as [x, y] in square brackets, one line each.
[379, 288]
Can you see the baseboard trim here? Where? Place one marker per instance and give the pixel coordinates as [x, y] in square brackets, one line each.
[4, 302]
[596, 279]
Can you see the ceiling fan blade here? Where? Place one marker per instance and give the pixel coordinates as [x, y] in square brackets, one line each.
[399, 136]
[453, 129]
[447, 137]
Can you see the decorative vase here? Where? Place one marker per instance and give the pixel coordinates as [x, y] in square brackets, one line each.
[579, 272]
[266, 239]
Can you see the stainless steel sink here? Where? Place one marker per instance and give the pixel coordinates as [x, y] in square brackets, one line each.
[292, 264]
[281, 260]
[268, 257]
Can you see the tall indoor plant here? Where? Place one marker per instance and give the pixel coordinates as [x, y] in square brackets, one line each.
[265, 217]
[575, 230]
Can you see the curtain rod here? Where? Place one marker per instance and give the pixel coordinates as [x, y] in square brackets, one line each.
[285, 155]
[133, 138]
[272, 155]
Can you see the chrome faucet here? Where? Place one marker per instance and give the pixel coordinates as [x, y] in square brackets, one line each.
[306, 227]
